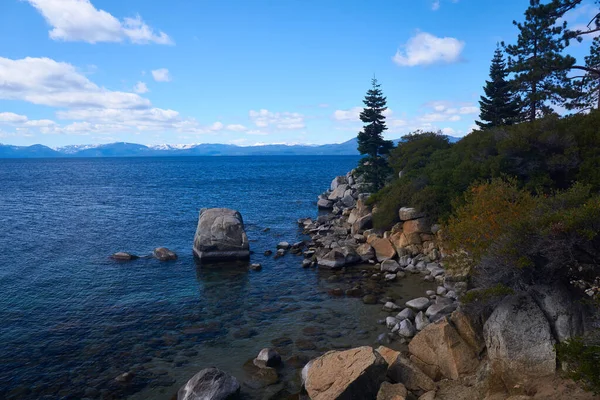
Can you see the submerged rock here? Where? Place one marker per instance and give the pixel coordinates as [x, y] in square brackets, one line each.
[209, 384]
[267, 357]
[123, 256]
[164, 254]
[220, 236]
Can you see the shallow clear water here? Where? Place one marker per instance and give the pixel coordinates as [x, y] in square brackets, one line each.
[72, 319]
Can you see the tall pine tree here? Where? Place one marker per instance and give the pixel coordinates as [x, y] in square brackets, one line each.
[498, 106]
[539, 68]
[374, 167]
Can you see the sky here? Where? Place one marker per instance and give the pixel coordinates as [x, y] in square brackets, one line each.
[244, 72]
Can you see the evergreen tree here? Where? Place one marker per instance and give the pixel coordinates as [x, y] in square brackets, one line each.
[498, 106]
[374, 167]
[587, 86]
[539, 68]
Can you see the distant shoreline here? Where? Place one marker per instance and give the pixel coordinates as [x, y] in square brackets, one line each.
[122, 149]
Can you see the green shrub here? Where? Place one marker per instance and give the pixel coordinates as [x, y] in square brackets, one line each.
[543, 156]
[582, 361]
[509, 237]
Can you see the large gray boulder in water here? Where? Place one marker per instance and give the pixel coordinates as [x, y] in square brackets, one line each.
[220, 236]
[210, 384]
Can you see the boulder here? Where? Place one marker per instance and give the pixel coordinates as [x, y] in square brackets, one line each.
[391, 322]
[338, 192]
[421, 321]
[439, 345]
[334, 259]
[348, 200]
[267, 357]
[407, 313]
[164, 254]
[283, 245]
[389, 391]
[562, 310]
[366, 252]
[220, 236]
[390, 266]
[325, 204]
[404, 371]
[469, 330]
[362, 224]
[383, 249]
[351, 374]
[388, 354]
[337, 181]
[406, 329]
[407, 213]
[419, 304]
[209, 384]
[519, 342]
[351, 257]
[419, 225]
[435, 311]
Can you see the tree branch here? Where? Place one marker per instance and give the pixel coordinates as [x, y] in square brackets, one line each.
[587, 69]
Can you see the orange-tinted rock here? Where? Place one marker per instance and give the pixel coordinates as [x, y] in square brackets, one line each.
[383, 249]
[351, 374]
[439, 344]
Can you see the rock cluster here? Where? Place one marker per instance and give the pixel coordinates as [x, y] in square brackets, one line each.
[345, 236]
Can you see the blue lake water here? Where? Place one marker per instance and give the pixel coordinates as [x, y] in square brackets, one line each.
[71, 319]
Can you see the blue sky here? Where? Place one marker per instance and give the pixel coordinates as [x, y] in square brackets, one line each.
[244, 71]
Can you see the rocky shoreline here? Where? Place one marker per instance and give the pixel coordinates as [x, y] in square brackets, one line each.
[429, 348]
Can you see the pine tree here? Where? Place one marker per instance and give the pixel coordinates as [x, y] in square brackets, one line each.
[539, 68]
[498, 106]
[374, 167]
[587, 86]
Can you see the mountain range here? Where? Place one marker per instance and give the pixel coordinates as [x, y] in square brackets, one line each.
[121, 149]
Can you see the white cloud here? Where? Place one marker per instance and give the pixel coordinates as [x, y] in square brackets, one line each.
[469, 110]
[47, 82]
[8, 118]
[12, 118]
[257, 132]
[79, 20]
[236, 128]
[425, 49]
[161, 75]
[86, 107]
[217, 126]
[353, 114]
[448, 131]
[439, 117]
[435, 5]
[141, 88]
[284, 120]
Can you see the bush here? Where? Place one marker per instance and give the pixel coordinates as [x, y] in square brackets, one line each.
[582, 362]
[515, 239]
[543, 156]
